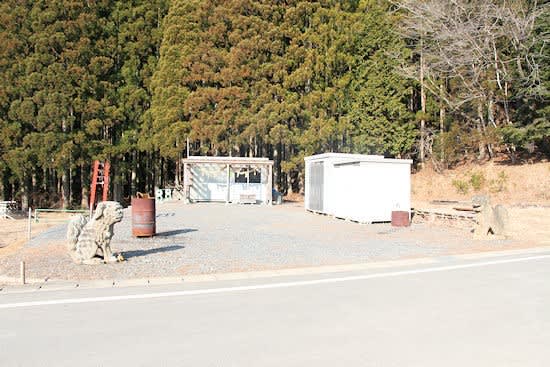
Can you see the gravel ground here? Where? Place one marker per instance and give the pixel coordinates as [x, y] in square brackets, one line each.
[217, 238]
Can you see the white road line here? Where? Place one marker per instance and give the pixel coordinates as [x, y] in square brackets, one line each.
[267, 286]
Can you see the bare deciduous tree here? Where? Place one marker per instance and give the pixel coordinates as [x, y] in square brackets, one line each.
[483, 50]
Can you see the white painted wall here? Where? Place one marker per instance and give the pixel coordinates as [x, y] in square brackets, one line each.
[365, 188]
[257, 188]
[210, 184]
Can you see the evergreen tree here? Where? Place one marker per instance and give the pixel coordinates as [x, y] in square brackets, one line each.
[279, 80]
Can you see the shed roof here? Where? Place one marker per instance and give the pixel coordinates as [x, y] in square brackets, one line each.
[350, 158]
[227, 160]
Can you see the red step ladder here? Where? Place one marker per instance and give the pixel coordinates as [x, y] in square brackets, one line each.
[100, 177]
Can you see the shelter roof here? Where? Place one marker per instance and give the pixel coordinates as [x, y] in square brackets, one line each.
[227, 160]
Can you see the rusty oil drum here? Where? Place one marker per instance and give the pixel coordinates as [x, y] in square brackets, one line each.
[400, 219]
[143, 217]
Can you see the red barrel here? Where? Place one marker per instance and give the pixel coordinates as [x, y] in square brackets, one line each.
[143, 217]
[400, 219]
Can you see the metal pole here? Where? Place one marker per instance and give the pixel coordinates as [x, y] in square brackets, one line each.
[22, 272]
[29, 225]
[228, 193]
[187, 147]
[269, 193]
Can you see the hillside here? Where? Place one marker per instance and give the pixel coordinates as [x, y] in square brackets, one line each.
[521, 185]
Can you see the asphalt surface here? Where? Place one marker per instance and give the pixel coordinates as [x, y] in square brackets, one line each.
[454, 313]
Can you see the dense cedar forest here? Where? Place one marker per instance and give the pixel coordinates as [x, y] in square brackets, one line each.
[132, 81]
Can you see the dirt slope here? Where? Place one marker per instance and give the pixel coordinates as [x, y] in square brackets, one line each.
[520, 185]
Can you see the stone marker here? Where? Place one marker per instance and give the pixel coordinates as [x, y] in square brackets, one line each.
[491, 220]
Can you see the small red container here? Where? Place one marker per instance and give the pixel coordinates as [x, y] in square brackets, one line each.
[143, 217]
[400, 219]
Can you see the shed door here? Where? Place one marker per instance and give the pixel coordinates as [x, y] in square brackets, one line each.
[316, 186]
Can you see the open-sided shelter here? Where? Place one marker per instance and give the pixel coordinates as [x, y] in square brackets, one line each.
[362, 188]
[228, 179]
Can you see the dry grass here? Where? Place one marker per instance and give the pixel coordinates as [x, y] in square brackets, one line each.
[527, 184]
[13, 233]
[523, 189]
[294, 197]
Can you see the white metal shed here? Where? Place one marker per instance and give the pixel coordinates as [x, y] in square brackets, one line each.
[363, 188]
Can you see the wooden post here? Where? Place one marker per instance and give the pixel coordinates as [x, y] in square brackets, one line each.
[22, 272]
[228, 184]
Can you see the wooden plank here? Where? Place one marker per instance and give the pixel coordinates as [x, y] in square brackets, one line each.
[464, 209]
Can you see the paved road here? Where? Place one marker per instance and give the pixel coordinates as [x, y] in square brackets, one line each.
[479, 313]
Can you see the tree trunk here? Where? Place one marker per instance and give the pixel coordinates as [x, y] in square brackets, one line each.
[4, 186]
[66, 175]
[441, 111]
[148, 172]
[26, 189]
[277, 167]
[66, 188]
[117, 190]
[85, 198]
[116, 174]
[289, 183]
[481, 131]
[506, 111]
[422, 154]
[84, 186]
[491, 119]
[133, 174]
[76, 189]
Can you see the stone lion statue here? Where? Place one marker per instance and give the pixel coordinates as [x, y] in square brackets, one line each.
[490, 220]
[89, 242]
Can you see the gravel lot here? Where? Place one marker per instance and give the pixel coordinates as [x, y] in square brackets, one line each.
[217, 238]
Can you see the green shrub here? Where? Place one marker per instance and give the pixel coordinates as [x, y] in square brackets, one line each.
[461, 187]
[454, 146]
[477, 180]
[500, 183]
[447, 148]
